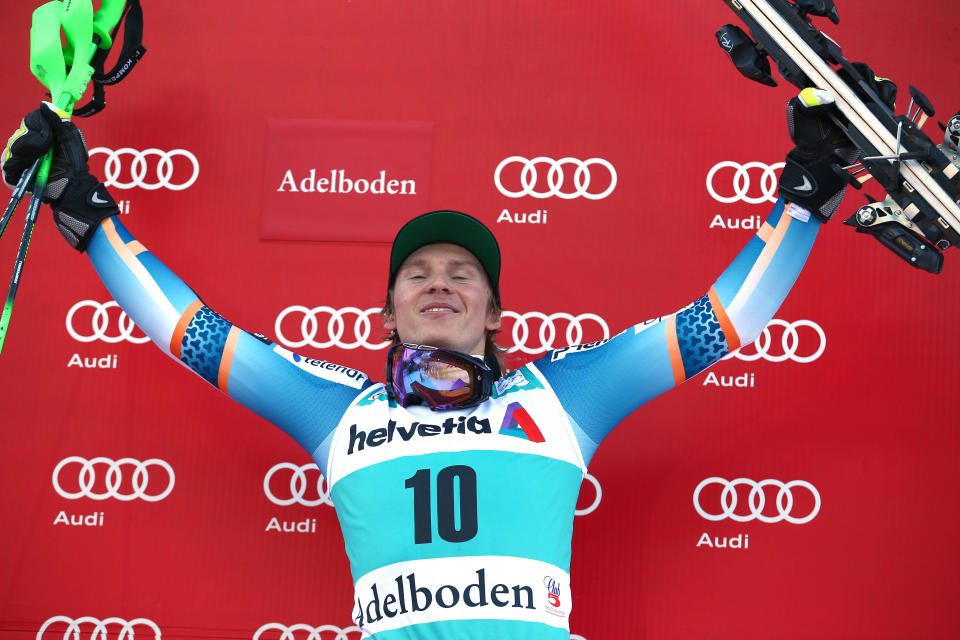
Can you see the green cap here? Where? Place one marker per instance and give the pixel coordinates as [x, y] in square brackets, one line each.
[448, 226]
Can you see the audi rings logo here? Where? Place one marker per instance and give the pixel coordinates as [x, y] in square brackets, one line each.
[596, 499]
[100, 327]
[82, 482]
[351, 327]
[757, 501]
[535, 332]
[277, 631]
[336, 327]
[148, 169]
[559, 181]
[76, 629]
[742, 182]
[299, 487]
[789, 349]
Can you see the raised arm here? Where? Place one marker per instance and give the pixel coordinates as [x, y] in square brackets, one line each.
[304, 397]
[599, 384]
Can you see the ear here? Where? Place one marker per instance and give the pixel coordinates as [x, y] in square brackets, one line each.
[390, 322]
[493, 320]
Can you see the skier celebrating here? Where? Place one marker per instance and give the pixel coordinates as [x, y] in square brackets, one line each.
[455, 482]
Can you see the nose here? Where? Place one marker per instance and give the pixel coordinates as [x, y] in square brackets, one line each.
[438, 283]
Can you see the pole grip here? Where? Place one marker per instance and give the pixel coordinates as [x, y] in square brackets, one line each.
[105, 19]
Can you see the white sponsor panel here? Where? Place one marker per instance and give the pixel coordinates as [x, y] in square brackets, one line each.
[467, 588]
[368, 434]
[148, 169]
[567, 178]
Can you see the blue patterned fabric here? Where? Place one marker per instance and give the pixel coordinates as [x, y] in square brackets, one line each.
[700, 337]
[203, 343]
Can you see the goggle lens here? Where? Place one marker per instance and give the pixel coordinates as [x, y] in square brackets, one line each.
[441, 378]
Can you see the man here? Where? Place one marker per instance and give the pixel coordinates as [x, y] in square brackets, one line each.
[455, 485]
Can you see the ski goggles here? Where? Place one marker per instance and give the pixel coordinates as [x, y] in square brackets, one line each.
[439, 378]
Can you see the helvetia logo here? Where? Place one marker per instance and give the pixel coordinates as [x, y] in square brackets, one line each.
[518, 423]
[408, 598]
[339, 182]
[375, 437]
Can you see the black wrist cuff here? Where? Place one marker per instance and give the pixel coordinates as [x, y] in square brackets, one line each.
[81, 209]
[809, 181]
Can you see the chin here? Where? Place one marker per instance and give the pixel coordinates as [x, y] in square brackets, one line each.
[438, 340]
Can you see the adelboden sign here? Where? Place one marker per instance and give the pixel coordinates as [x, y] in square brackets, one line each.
[344, 181]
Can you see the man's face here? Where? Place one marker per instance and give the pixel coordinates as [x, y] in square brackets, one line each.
[441, 298]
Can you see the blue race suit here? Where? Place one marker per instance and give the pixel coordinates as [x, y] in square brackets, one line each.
[458, 524]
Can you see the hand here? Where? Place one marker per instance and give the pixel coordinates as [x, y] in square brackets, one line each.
[812, 176]
[79, 201]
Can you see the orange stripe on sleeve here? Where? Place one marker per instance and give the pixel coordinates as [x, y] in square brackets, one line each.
[136, 247]
[177, 339]
[123, 250]
[673, 346]
[765, 231]
[226, 360]
[733, 340]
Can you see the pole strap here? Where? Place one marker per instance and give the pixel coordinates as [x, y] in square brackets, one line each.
[130, 53]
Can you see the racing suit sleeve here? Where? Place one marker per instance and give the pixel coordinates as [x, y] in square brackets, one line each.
[306, 402]
[600, 385]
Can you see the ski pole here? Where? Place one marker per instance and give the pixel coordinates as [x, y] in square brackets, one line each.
[17, 195]
[84, 33]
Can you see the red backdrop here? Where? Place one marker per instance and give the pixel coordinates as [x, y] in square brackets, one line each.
[135, 492]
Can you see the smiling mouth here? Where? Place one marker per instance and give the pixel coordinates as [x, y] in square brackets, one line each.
[438, 309]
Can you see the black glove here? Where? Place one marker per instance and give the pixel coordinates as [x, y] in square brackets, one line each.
[812, 177]
[78, 199]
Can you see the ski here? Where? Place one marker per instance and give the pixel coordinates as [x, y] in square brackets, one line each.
[920, 216]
